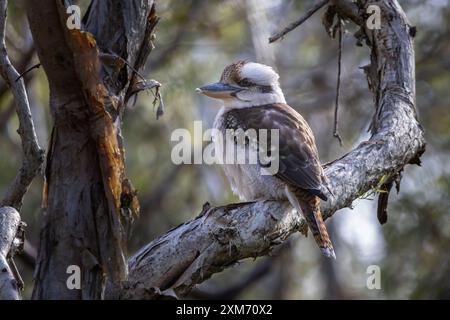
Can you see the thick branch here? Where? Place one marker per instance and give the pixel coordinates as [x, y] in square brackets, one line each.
[9, 223]
[33, 154]
[219, 237]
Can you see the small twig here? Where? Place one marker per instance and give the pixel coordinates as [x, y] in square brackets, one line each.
[36, 66]
[298, 22]
[134, 70]
[15, 272]
[111, 59]
[338, 86]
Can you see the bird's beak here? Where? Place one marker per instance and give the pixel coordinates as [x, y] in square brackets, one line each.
[218, 90]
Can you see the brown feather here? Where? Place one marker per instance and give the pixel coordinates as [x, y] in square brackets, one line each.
[299, 159]
[310, 205]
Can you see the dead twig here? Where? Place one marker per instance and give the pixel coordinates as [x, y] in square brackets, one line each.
[298, 22]
[36, 66]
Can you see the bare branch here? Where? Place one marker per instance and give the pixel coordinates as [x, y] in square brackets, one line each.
[219, 237]
[9, 224]
[33, 154]
[298, 22]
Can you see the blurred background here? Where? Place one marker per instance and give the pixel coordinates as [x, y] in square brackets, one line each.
[195, 40]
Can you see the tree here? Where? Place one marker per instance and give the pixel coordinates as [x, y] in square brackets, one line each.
[88, 200]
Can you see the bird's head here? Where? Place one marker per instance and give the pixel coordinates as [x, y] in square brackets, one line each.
[246, 84]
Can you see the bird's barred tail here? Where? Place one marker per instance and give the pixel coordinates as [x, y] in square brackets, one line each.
[313, 216]
[310, 206]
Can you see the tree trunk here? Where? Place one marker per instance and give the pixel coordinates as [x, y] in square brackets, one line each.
[87, 198]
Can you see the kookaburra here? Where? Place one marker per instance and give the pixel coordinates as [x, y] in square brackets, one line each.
[252, 99]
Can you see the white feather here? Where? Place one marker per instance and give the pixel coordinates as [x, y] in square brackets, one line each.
[254, 99]
[259, 73]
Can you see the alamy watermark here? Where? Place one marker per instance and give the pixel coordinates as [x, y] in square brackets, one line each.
[73, 281]
[374, 20]
[374, 277]
[74, 19]
[229, 147]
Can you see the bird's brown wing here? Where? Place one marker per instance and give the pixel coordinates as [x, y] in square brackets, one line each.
[299, 163]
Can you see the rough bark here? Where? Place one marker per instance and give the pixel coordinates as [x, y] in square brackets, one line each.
[9, 224]
[88, 200]
[219, 237]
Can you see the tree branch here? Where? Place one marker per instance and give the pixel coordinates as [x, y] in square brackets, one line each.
[217, 238]
[9, 224]
[33, 154]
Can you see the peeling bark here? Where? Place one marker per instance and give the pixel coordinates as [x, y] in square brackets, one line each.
[219, 237]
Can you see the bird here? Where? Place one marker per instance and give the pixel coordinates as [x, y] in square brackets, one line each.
[252, 99]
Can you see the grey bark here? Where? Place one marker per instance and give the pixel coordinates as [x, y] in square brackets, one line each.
[219, 237]
[9, 224]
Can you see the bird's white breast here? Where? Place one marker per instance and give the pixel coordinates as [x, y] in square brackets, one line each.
[247, 180]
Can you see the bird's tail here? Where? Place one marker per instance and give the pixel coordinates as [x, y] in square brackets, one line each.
[310, 206]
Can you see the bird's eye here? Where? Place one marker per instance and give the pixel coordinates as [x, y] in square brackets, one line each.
[245, 83]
